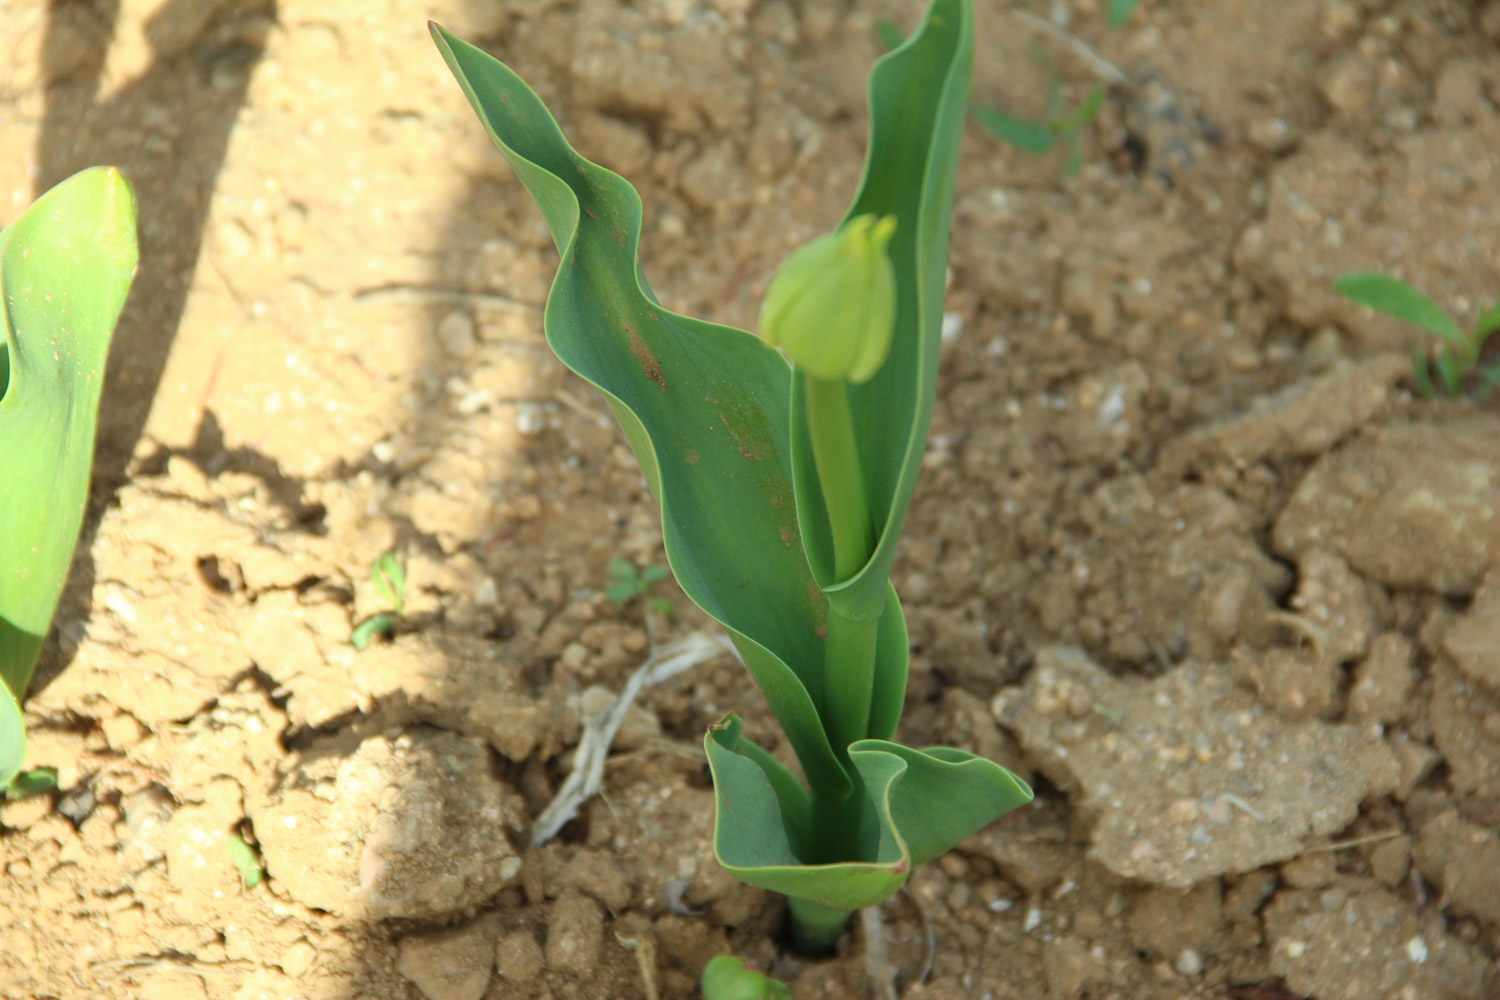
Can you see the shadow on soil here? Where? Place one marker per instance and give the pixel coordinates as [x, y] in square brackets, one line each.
[167, 129]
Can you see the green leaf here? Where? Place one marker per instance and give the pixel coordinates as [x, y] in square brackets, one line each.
[1022, 133]
[922, 802]
[1488, 323]
[389, 580]
[12, 737]
[726, 978]
[1396, 298]
[1421, 377]
[1075, 155]
[918, 97]
[663, 606]
[32, 782]
[705, 408]
[621, 591]
[1447, 371]
[621, 569]
[651, 574]
[888, 34]
[753, 841]
[1084, 113]
[245, 860]
[938, 796]
[794, 806]
[1119, 11]
[383, 623]
[65, 268]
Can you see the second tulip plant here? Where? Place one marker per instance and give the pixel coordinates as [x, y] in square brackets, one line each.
[784, 480]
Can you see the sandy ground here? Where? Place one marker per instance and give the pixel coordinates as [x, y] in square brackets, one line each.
[1187, 551]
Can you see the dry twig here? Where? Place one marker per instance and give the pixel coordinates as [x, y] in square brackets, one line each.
[599, 732]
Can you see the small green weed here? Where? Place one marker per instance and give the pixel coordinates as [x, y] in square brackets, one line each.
[1061, 123]
[246, 861]
[1040, 135]
[1456, 368]
[1119, 11]
[726, 978]
[32, 782]
[628, 583]
[390, 583]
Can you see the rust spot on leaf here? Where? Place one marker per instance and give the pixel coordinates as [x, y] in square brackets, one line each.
[734, 423]
[646, 359]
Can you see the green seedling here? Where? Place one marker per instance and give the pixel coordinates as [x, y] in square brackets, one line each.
[627, 584]
[726, 978]
[1039, 136]
[1061, 123]
[66, 265]
[246, 861]
[1456, 367]
[31, 782]
[389, 580]
[784, 480]
[1119, 12]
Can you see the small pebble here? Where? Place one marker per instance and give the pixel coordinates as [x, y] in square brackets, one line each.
[1271, 135]
[1189, 962]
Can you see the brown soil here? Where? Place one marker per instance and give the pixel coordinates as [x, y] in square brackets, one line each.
[1187, 551]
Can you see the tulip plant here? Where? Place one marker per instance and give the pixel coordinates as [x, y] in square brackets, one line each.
[66, 265]
[784, 480]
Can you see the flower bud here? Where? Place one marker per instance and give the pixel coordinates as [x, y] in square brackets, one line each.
[832, 305]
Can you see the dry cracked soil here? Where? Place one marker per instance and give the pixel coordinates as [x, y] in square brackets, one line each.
[1188, 550]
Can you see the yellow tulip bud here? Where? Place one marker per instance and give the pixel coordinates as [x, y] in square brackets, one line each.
[832, 305]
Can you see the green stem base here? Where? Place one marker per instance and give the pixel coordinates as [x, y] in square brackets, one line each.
[815, 928]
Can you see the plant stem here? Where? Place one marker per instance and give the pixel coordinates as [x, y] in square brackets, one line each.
[849, 646]
[836, 822]
[848, 679]
[837, 460]
[848, 652]
[816, 929]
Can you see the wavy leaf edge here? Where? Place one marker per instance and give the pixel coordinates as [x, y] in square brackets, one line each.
[845, 885]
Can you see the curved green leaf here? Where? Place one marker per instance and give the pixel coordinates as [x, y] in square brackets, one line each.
[753, 843]
[704, 408]
[923, 803]
[65, 268]
[939, 795]
[918, 94]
